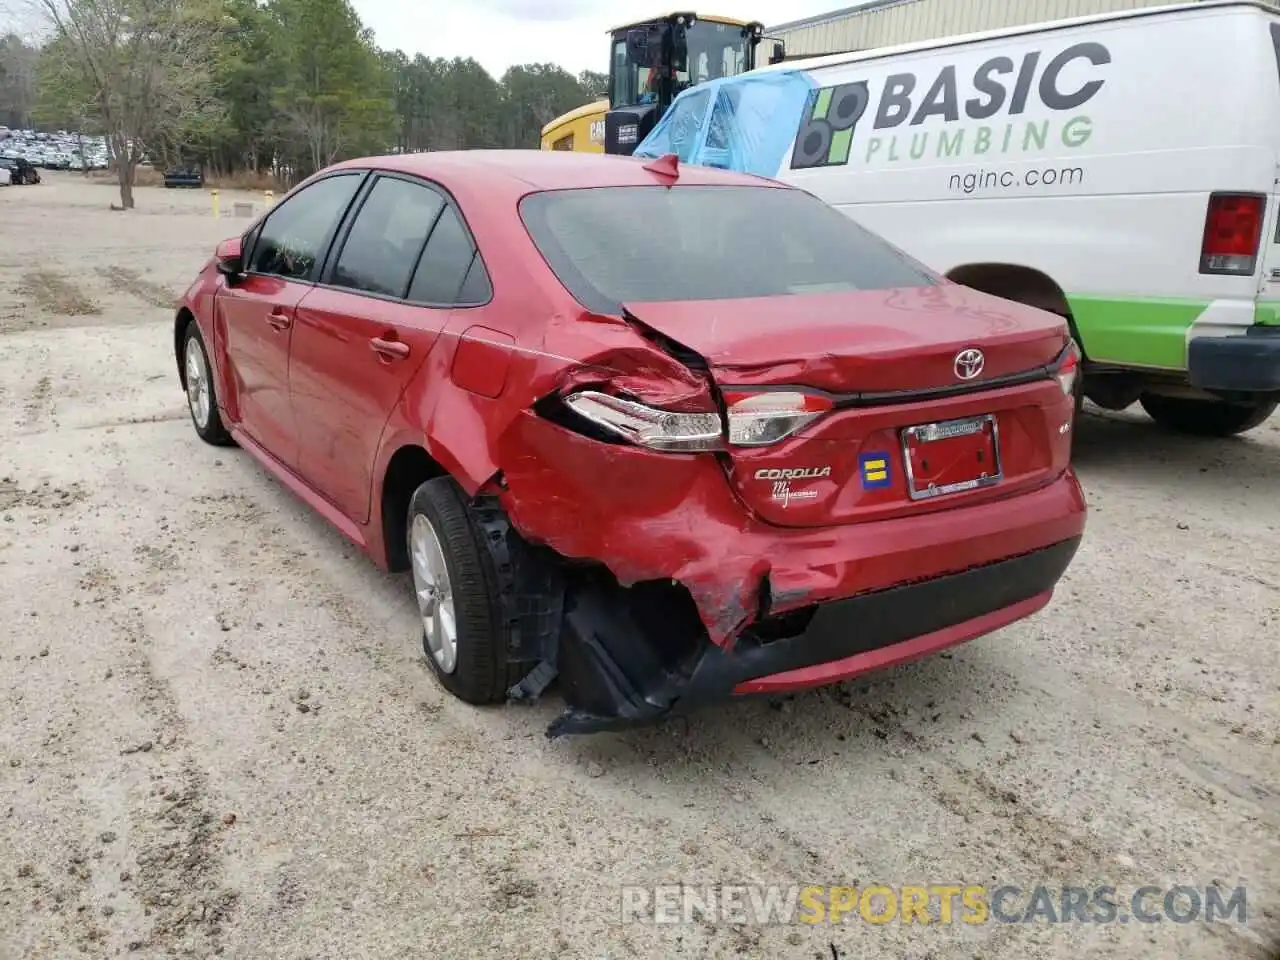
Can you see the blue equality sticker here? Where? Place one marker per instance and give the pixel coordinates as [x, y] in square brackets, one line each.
[874, 468]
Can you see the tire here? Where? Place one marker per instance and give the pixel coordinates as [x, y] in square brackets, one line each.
[1206, 418]
[202, 407]
[479, 671]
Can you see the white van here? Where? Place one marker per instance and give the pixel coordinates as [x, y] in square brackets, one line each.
[1120, 169]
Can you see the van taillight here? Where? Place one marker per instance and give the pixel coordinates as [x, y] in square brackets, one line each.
[1232, 232]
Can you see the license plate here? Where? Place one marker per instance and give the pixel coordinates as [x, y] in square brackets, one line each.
[951, 456]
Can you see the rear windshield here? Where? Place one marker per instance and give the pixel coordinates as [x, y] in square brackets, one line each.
[616, 245]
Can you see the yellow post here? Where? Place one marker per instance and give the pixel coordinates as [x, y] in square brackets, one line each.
[213, 194]
[268, 197]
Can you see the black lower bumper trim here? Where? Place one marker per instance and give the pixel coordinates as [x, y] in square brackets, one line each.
[611, 679]
[1245, 364]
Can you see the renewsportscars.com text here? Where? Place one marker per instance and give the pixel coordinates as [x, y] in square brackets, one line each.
[968, 183]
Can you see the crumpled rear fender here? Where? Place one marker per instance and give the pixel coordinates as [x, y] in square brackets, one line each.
[463, 427]
[644, 515]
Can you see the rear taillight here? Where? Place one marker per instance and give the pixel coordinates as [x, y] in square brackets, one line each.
[649, 426]
[1069, 369]
[759, 419]
[1232, 233]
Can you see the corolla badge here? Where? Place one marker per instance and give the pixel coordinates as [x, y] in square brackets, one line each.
[969, 363]
[782, 477]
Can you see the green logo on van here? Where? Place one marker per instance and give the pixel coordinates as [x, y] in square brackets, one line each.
[826, 132]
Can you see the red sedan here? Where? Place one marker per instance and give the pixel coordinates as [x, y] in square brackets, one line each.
[668, 434]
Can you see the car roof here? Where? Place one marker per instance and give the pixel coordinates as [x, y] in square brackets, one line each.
[524, 171]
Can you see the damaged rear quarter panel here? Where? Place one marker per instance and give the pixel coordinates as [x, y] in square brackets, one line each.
[644, 515]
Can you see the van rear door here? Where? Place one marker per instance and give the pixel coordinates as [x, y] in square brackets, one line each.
[1269, 247]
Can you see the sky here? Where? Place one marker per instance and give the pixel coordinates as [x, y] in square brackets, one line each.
[571, 33]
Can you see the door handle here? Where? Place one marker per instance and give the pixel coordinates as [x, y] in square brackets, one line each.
[278, 320]
[389, 349]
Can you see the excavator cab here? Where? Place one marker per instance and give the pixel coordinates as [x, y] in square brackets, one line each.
[655, 60]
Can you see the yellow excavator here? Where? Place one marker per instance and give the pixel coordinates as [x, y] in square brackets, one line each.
[652, 61]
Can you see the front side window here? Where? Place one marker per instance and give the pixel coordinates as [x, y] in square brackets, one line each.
[716, 50]
[294, 236]
[615, 245]
[630, 81]
[386, 238]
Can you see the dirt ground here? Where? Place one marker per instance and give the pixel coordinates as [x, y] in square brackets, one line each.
[218, 735]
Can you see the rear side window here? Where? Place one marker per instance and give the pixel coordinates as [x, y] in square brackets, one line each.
[1275, 44]
[297, 232]
[387, 237]
[476, 288]
[617, 245]
[445, 262]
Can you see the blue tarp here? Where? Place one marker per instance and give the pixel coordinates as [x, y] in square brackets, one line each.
[745, 123]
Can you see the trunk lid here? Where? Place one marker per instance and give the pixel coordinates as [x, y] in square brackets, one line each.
[872, 341]
[873, 365]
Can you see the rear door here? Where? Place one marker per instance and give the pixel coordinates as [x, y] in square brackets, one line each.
[389, 289]
[1269, 291]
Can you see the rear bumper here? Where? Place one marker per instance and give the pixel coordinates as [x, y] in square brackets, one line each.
[1248, 363]
[951, 576]
[848, 637]
[845, 639]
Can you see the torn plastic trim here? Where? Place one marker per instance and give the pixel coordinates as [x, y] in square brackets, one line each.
[530, 585]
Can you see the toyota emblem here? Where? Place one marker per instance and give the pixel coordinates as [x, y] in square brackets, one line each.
[969, 363]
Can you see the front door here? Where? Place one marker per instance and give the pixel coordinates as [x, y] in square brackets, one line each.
[362, 335]
[258, 312]
[257, 321]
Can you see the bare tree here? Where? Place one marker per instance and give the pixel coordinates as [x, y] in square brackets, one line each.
[141, 68]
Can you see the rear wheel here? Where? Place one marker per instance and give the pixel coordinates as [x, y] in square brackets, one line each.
[465, 634]
[1206, 418]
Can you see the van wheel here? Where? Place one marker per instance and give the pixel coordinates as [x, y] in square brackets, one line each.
[465, 634]
[1206, 418]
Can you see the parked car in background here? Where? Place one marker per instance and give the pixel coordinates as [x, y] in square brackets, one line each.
[62, 150]
[5, 176]
[20, 170]
[184, 177]
[672, 464]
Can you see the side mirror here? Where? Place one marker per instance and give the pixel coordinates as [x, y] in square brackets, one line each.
[227, 255]
[779, 52]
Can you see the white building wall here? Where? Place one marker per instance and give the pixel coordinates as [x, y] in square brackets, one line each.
[892, 22]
